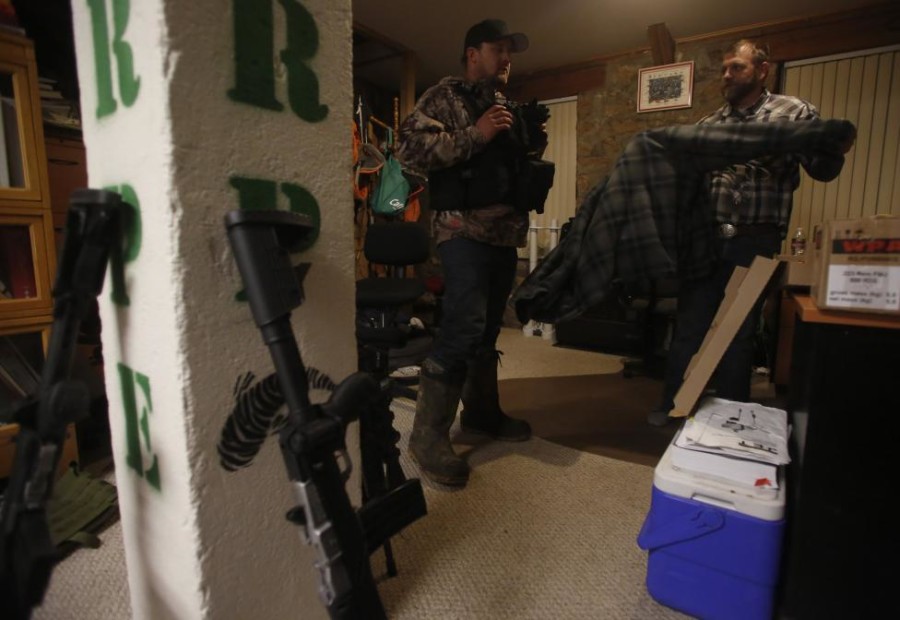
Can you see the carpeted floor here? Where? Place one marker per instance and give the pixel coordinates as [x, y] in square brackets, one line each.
[602, 414]
[545, 529]
[541, 531]
[581, 399]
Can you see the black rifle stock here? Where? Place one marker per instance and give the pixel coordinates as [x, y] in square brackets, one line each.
[314, 434]
[27, 553]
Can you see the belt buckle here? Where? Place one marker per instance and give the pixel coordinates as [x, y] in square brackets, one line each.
[727, 231]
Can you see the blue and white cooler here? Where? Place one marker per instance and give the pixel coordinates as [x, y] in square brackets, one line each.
[714, 546]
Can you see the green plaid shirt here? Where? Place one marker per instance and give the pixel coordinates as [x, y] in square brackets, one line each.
[761, 191]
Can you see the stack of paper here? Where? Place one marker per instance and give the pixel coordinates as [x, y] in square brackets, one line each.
[743, 443]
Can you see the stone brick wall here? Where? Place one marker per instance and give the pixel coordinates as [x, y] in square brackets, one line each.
[608, 117]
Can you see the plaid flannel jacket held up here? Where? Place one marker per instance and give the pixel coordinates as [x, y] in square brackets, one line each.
[649, 217]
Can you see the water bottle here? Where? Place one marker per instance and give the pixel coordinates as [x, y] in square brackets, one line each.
[798, 242]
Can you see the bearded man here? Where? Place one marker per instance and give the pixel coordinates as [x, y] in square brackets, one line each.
[751, 205]
[461, 134]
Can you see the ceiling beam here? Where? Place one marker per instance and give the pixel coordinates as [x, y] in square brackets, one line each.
[662, 45]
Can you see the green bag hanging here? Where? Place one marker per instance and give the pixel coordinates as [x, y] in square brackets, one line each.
[392, 191]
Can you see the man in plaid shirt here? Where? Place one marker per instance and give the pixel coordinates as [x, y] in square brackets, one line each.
[660, 214]
[751, 202]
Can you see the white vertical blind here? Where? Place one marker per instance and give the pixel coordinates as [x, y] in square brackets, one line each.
[863, 88]
[560, 205]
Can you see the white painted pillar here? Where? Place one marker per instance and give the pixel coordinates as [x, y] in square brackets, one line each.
[190, 110]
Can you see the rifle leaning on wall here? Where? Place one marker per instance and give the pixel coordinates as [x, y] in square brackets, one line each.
[314, 435]
[27, 552]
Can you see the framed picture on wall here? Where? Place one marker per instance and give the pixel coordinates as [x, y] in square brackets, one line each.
[666, 87]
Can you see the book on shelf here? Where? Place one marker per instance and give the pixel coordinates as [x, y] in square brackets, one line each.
[16, 373]
[13, 29]
[17, 258]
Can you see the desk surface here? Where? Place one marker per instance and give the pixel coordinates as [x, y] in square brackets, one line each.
[809, 312]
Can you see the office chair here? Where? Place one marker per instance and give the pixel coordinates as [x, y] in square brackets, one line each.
[386, 341]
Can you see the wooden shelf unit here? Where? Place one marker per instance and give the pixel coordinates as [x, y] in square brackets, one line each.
[27, 238]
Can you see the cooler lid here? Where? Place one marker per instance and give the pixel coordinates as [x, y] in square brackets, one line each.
[766, 504]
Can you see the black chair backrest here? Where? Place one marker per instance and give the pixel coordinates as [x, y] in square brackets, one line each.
[396, 243]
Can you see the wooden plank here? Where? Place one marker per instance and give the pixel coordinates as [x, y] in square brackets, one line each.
[880, 93]
[888, 190]
[817, 188]
[863, 144]
[895, 195]
[827, 109]
[851, 106]
[803, 198]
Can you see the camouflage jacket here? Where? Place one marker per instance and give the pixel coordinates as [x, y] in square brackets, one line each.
[441, 133]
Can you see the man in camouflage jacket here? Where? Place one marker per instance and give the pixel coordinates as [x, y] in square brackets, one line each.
[458, 135]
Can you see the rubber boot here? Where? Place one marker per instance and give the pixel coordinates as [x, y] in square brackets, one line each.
[429, 443]
[481, 402]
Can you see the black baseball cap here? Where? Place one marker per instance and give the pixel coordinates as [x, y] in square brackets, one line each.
[491, 30]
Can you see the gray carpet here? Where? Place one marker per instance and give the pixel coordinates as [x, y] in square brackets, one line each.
[541, 531]
[603, 414]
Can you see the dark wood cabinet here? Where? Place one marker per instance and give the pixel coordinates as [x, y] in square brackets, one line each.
[844, 405]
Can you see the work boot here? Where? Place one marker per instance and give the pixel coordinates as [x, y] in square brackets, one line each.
[481, 402]
[659, 417]
[429, 443]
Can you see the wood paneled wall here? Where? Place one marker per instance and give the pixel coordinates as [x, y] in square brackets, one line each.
[863, 88]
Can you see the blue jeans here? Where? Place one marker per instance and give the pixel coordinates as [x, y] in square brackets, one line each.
[478, 279]
[698, 302]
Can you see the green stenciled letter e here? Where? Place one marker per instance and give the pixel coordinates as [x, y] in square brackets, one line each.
[137, 424]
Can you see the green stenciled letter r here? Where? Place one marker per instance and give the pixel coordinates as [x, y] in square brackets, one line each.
[254, 69]
[128, 83]
[302, 45]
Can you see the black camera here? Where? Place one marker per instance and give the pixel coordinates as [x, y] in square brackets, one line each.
[527, 131]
